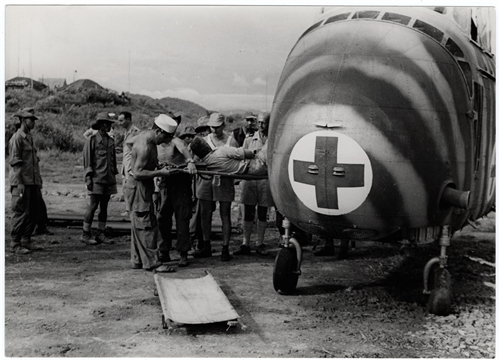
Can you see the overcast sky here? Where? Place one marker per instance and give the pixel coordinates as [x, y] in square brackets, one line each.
[221, 57]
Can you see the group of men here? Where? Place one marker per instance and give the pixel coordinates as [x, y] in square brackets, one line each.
[157, 170]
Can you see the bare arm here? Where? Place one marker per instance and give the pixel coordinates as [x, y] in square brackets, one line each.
[181, 147]
[140, 155]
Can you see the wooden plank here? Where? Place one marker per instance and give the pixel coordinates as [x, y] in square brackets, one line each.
[79, 217]
[193, 300]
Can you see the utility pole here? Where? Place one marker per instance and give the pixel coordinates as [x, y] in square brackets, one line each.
[266, 93]
[129, 71]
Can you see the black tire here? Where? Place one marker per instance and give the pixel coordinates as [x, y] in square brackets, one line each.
[439, 302]
[285, 276]
[164, 324]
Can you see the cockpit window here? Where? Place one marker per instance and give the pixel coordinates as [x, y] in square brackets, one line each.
[467, 73]
[454, 48]
[396, 18]
[429, 30]
[366, 15]
[337, 18]
[312, 28]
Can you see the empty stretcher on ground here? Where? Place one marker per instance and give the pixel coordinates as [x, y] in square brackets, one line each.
[193, 301]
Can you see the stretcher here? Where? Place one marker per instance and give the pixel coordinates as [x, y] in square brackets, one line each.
[193, 301]
[229, 175]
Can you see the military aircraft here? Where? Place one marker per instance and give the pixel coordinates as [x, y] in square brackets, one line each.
[389, 117]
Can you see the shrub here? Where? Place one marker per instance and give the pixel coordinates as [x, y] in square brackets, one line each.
[52, 104]
[46, 136]
[104, 97]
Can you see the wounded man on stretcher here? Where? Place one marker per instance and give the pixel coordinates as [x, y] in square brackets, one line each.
[230, 160]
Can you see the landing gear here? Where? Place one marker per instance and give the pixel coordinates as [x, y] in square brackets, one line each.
[439, 289]
[287, 264]
[440, 297]
[285, 276]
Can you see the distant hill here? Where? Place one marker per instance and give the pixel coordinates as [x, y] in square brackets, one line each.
[75, 106]
[83, 84]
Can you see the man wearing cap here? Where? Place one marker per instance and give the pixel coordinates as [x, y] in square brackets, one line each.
[175, 197]
[25, 182]
[125, 120]
[202, 130]
[256, 193]
[246, 130]
[43, 219]
[99, 162]
[216, 189]
[140, 188]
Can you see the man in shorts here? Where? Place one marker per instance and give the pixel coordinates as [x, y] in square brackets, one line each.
[216, 189]
[99, 162]
[256, 193]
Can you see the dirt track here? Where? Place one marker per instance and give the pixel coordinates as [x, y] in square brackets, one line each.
[74, 300]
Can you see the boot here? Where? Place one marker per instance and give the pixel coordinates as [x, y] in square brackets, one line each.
[225, 256]
[101, 238]
[205, 252]
[261, 231]
[247, 233]
[86, 238]
[344, 247]
[183, 262]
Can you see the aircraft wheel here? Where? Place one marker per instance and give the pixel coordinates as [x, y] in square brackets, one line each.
[439, 302]
[164, 323]
[285, 276]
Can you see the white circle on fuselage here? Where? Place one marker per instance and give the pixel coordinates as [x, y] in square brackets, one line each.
[330, 172]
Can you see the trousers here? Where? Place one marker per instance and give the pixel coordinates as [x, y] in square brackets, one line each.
[175, 200]
[26, 208]
[144, 234]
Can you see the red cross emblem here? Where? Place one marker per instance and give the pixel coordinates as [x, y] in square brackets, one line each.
[330, 172]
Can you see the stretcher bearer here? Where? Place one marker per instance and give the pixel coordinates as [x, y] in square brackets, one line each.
[25, 182]
[256, 193]
[140, 188]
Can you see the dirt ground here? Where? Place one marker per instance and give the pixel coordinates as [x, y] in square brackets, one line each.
[73, 300]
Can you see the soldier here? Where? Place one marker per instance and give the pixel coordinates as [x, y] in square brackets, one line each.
[99, 162]
[246, 130]
[25, 182]
[125, 120]
[175, 192]
[216, 189]
[256, 193]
